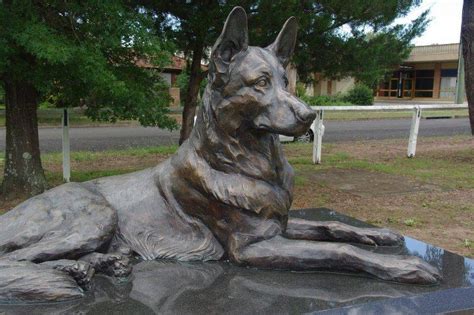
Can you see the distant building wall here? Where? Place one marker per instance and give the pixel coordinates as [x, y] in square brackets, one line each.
[344, 85]
[175, 95]
[166, 77]
[430, 72]
[324, 86]
[170, 73]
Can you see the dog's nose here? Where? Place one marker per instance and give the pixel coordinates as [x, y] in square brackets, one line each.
[306, 114]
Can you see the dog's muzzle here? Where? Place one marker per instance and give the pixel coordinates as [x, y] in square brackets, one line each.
[305, 114]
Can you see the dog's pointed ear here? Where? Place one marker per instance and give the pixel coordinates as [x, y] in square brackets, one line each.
[233, 39]
[284, 45]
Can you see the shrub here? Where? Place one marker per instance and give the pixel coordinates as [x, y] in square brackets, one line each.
[360, 94]
[325, 100]
[300, 89]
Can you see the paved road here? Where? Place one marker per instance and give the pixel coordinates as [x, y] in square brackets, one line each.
[393, 128]
[107, 138]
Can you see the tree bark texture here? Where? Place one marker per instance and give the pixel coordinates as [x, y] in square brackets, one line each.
[292, 76]
[467, 40]
[191, 100]
[23, 173]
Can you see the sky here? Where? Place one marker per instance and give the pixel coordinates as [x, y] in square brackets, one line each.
[445, 26]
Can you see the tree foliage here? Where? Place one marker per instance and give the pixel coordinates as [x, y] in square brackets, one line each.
[337, 38]
[81, 52]
[342, 38]
[192, 26]
[84, 52]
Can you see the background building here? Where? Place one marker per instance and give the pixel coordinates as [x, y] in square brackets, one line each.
[169, 74]
[429, 73]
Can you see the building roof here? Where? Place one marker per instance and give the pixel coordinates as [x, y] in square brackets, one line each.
[177, 63]
[432, 53]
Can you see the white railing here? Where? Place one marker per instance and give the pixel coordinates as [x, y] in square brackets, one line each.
[66, 147]
[318, 126]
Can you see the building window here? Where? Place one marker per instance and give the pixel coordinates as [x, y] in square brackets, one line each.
[424, 82]
[448, 83]
[424, 73]
[388, 88]
[452, 73]
[423, 93]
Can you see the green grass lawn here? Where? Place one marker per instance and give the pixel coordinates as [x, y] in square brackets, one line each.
[452, 170]
[443, 216]
[53, 117]
[343, 115]
[113, 162]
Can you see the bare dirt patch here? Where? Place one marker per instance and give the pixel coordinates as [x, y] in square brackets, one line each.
[430, 197]
[445, 219]
[110, 163]
[365, 183]
[389, 149]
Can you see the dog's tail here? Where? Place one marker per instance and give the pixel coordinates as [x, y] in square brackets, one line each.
[22, 281]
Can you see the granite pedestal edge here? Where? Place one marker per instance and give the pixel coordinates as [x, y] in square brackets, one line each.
[172, 287]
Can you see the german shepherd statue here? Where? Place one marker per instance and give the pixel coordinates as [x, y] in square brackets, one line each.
[225, 194]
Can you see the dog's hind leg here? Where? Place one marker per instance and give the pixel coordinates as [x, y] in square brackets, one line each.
[281, 253]
[334, 231]
[53, 230]
[81, 271]
[71, 241]
[67, 222]
[115, 262]
[27, 281]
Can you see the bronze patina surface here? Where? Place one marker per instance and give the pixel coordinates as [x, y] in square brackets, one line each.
[224, 195]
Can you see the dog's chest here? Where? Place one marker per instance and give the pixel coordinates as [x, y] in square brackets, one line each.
[261, 160]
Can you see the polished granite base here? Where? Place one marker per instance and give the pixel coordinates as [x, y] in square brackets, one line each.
[169, 287]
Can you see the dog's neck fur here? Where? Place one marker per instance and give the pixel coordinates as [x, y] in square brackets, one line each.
[238, 149]
[220, 164]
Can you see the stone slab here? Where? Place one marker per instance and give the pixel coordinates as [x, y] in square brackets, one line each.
[170, 287]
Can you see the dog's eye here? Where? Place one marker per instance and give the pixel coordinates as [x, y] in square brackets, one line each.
[262, 82]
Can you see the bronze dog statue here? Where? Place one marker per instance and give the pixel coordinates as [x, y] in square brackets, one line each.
[225, 194]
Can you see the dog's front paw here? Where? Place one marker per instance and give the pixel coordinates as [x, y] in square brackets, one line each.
[119, 266]
[82, 272]
[411, 269]
[114, 265]
[383, 237]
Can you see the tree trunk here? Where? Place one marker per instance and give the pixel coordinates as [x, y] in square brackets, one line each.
[23, 174]
[467, 40]
[191, 100]
[292, 76]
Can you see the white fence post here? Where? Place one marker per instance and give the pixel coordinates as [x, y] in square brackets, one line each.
[66, 147]
[318, 126]
[415, 126]
[318, 136]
